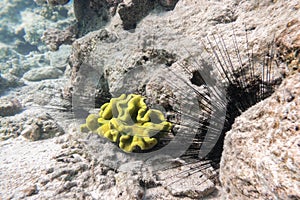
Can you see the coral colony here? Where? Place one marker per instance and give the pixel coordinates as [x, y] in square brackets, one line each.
[127, 121]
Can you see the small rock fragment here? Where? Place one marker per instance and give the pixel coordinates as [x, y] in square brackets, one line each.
[31, 190]
[42, 127]
[42, 74]
[32, 132]
[9, 107]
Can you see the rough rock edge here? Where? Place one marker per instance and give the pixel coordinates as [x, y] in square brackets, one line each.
[261, 152]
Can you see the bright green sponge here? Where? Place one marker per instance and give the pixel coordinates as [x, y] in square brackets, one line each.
[127, 121]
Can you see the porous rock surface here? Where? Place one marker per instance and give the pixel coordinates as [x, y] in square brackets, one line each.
[55, 37]
[66, 167]
[261, 158]
[9, 107]
[132, 61]
[39, 74]
[176, 35]
[288, 43]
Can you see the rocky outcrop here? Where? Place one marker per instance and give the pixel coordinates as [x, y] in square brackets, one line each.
[177, 38]
[111, 60]
[262, 151]
[264, 142]
[149, 60]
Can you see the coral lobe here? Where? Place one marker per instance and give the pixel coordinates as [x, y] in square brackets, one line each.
[127, 120]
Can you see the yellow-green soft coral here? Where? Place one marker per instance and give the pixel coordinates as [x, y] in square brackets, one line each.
[127, 121]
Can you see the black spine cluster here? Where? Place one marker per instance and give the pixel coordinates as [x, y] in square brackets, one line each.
[247, 81]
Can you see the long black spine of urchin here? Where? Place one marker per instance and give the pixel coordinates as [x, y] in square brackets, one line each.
[244, 88]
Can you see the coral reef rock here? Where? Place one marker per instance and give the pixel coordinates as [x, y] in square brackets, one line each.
[288, 44]
[42, 74]
[31, 124]
[133, 11]
[261, 158]
[139, 47]
[42, 127]
[22, 24]
[9, 107]
[161, 38]
[145, 58]
[55, 37]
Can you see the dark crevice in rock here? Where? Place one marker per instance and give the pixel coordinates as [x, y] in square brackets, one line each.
[197, 79]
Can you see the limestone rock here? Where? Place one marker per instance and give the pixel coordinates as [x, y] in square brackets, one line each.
[59, 59]
[55, 37]
[179, 182]
[178, 36]
[134, 10]
[9, 107]
[33, 124]
[41, 127]
[32, 132]
[42, 74]
[261, 158]
[288, 43]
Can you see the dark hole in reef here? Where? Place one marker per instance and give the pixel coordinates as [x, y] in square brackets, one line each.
[197, 79]
[103, 95]
[145, 58]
